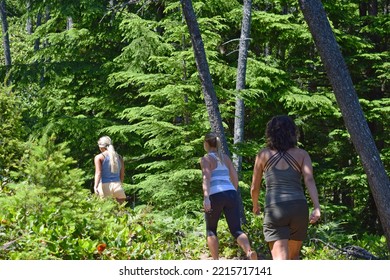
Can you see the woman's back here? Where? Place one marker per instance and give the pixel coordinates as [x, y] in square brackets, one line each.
[107, 174]
[220, 176]
[282, 174]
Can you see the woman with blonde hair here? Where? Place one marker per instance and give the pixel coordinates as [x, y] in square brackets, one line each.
[220, 183]
[109, 171]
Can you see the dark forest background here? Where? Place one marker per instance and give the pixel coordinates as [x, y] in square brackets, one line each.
[73, 71]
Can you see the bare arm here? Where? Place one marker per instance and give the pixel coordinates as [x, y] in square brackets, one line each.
[98, 171]
[308, 177]
[122, 171]
[206, 177]
[256, 182]
[232, 171]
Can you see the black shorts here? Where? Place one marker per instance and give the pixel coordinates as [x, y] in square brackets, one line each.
[286, 220]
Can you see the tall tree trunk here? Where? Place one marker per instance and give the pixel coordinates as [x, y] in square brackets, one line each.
[239, 119]
[351, 110]
[45, 43]
[210, 96]
[6, 44]
[69, 23]
[239, 116]
[373, 7]
[39, 22]
[111, 5]
[185, 77]
[29, 24]
[29, 27]
[370, 8]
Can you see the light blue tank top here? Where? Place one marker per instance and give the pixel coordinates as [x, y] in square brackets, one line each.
[107, 175]
[220, 178]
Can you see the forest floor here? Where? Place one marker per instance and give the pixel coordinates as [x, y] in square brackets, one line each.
[206, 256]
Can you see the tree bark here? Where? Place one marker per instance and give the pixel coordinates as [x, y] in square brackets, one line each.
[29, 27]
[351, 110]
[6, 44]
[239, 117]
[69, 23]
[210, 96]
[39, 22]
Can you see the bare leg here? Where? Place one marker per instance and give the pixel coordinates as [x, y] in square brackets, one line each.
[294, 248]
[279, 249]
[243, 241]
[212, 242]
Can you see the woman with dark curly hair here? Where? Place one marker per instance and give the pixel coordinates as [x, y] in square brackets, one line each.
[286, 213]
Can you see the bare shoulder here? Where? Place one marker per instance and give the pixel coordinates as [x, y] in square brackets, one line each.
[264, 153]
[99, 157]
[299, 153]
[262, 157]
[205, 160]
[226, 158]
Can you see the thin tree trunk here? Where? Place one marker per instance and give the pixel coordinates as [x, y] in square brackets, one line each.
[184, 78]
[210, 96]
[29, 27]
[45, 43]
[6, 44]
[351, 110]
[112, 4]
[69, 23]
[29, 23]
[39, 22]
[239, 119]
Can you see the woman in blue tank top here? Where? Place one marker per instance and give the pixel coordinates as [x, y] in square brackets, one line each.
[283, 165]
[109, 171]
[220, 183]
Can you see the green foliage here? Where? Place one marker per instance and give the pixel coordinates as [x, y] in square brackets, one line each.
[328, 241]
[46, 164]
[50, 216]
[37, 224]
[37, 214]
[12, 133]
[129, 71]
[254, 230]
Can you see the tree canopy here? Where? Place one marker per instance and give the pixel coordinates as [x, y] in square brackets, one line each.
[127, 69]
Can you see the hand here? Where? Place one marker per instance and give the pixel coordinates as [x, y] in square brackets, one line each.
[207, 204]
[256, 209]
[315, 215]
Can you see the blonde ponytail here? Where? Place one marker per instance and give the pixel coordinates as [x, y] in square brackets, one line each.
[219, 150]
[105, 142]
[113, 159]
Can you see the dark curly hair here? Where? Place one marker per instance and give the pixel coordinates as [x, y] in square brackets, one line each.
[281, 133]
